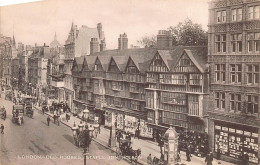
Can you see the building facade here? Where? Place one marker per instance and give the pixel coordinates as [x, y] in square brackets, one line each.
[77, 44]
[233, 56]
[145, 88]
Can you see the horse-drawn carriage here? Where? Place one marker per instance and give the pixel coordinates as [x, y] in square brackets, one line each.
[125, 151]
[18, 112]
[3, 113]
[29, 111]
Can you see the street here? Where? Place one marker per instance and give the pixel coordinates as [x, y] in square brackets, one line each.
[36, 143]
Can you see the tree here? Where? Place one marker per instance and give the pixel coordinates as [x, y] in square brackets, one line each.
[188, 33]
[147, 41]
[185, 33]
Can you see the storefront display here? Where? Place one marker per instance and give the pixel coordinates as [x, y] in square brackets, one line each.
[236, 141]
[145, 131]
[120, 121]
[131, 124]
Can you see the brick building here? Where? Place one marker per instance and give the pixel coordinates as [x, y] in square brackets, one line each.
[233, 56]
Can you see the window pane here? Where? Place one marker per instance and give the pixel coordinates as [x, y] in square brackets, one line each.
[234, 14]
[239, 37]
[250, 36]
[218, 16]
[223, 16]
[233, 46]
[257, 36]
[239, 15]
[239, 45]
[250, 13]
[257, 45]
[257, 12]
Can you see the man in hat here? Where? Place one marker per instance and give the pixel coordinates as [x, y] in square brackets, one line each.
[2, 129]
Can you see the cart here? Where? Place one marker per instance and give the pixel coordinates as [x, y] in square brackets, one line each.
[29, 111]
[125, 151]
[18, 112]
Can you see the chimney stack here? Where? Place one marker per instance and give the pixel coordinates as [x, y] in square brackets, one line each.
[122, 42]
[103, 45]
[164, 39]
[94, 45]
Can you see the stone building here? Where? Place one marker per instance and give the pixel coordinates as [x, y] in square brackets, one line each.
[79, 42]
[233, 56]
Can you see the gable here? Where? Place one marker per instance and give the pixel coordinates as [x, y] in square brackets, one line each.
[185, 64]
[113, 67]
[98, 66]
[131, 67]
[85, 65]
[158, 65]
[74, 67]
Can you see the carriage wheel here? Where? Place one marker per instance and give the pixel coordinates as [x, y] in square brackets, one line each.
[118, 154]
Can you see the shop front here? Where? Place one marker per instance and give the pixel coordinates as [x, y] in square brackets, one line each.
[128, 123]
[236, 141]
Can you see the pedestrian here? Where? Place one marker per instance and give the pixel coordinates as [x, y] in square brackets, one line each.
[149, 160]
[2, 129]
[43, 109]
[188, 154]
[209, 159]
[48, 120]
[245, 159]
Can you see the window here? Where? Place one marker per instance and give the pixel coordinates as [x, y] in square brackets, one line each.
[221, 42]
[221, 16]
[239, 14]
[195, 79]
[220, 100]
[173, 98]
[253, 42]
[135, 105]
[220, 72]
[252, 74]
[236, 42]
[252, 104]
[235, 73]
[235, 102]
[234, 15]
[251, 13]
[254, 12]
[117, 86]
[117, 102]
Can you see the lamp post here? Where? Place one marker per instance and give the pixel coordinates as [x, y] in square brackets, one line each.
[91, 130]
[74, 132]
[81, 126]
[87, 140]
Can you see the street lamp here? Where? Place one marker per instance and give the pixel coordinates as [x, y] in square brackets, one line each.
[81, 126]
[74, 132]
[91, 130]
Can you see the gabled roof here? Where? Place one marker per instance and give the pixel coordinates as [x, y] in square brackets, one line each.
[104, 60]
[90, 61]
[198, 55]
[120, 61]
[79, 62]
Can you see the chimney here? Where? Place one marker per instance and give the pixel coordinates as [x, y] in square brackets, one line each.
[99, 29]
[94, 45]
[103, 45]
[122, 42]
[164, 39]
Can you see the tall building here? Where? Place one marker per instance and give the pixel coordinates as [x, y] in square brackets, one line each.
[234, 59]
[77, 44]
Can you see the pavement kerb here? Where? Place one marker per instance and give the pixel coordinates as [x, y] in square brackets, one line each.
[140, 162]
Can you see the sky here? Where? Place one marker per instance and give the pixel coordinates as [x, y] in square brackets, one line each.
[37, 22]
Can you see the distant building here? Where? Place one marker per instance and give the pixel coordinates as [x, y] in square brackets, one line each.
[80, 42]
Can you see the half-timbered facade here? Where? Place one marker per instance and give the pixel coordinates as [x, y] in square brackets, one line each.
[178, 89]
[233, 56]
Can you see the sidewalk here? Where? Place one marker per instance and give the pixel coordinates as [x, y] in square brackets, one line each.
[146, 146]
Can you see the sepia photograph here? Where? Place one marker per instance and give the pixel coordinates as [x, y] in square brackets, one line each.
[130, 82]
